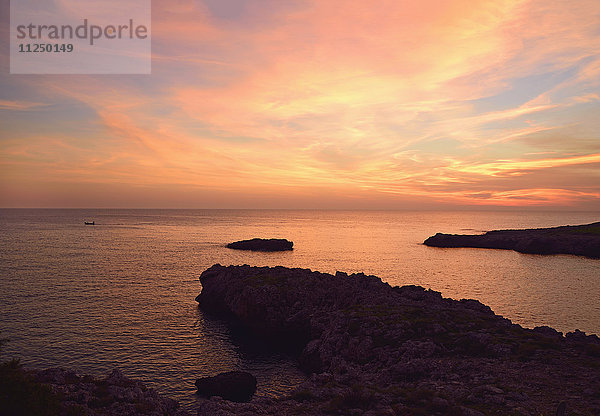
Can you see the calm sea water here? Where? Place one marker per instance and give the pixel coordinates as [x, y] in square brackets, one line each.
[121, 293]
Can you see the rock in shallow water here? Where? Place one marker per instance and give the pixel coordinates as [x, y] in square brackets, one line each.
[261, 244]
[237, 386]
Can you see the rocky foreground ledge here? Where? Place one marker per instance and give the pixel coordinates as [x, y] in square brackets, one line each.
[580, 240]
[61, 392]
[373, 349]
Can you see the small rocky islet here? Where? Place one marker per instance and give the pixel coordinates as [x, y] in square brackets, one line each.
[263, 244]
[373, 349]
[580, 240]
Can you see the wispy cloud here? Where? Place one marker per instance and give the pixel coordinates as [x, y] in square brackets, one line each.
[19, 105]
[520, 167]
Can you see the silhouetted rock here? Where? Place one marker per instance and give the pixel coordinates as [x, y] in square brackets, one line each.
[547, 331]
[237, 386]
[58, 391]
[375, 350]
[579, 336]
[580, 240]
[262, 244]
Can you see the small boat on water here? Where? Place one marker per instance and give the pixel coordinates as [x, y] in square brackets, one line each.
[89, 223]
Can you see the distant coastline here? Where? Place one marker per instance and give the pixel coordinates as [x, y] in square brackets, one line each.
[579, 240]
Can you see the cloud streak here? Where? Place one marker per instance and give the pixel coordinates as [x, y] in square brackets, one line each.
[19, 105]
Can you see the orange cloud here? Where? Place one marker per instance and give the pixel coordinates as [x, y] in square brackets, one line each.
[520, 167]
[527, 197]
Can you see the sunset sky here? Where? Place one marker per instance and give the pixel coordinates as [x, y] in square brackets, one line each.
[321, 104]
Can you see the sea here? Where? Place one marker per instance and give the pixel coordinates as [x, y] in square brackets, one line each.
[120, 294]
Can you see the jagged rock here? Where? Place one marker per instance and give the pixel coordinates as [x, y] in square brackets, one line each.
[237, 386]
[580, 336]
[547, 331]
[261, 244]
[580, 240]
[114, 395]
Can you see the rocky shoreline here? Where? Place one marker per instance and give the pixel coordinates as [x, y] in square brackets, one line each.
[62, 392]
[373, 349]
[580, 240]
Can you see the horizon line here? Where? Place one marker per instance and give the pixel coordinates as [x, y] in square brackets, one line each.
[451, 209]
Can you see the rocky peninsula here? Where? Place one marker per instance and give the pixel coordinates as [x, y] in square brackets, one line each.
[580, 240]
[263, 244]
[373, 349]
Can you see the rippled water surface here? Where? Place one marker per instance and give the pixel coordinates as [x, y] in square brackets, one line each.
[121, 293]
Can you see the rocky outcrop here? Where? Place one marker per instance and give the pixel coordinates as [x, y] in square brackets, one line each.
[237, 386]
[58, 391]
[262, 244]
[374, 349]
[580, 240]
